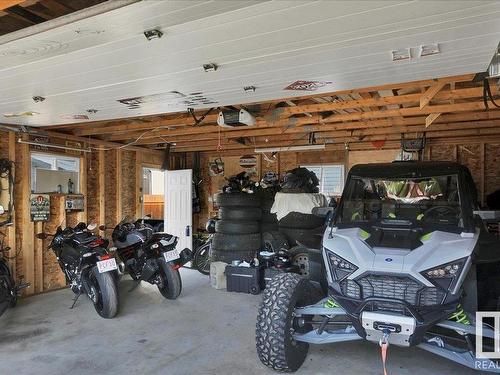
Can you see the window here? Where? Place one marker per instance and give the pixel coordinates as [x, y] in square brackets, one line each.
[331, 178]
[51, 173]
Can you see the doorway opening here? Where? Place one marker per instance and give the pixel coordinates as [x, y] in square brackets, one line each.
[153, 193]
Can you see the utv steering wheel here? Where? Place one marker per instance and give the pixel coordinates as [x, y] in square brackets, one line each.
[441, 212]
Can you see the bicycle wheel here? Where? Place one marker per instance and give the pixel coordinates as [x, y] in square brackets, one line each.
[202, 259]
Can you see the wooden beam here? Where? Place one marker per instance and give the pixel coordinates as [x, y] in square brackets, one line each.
[4, 4]
[11, 229]
[213, 131]
[431, 118]
[412, 85]
[94, 141]
[474, 92]
[118, 183]
[23, 161]
[431, 93]
[101, 186]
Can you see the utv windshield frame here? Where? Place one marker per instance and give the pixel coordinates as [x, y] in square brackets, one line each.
[414, 170]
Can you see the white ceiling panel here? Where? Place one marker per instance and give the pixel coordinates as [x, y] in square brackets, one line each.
[93, 63]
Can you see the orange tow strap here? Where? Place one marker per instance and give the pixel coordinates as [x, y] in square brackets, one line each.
[383, 353]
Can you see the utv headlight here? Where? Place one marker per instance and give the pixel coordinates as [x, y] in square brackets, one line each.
[446, 275]
[340, 267]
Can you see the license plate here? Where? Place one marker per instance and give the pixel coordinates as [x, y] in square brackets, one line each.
[171, 255]
[107, 265]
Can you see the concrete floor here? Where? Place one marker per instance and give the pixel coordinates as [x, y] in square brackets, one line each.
[205, 331]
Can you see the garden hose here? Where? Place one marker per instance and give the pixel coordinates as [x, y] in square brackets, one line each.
[460, 316]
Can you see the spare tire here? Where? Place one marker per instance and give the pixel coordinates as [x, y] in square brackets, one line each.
[301, 221]
[237, 242]
[237, 200]
[229, 256]
[240, 213]
[237, 227]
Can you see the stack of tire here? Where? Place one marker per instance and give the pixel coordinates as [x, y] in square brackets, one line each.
[296, 225]
[237, 232]
[269, 221]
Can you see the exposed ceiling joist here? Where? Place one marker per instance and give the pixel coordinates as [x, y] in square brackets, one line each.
[431, 118]
[431, 93]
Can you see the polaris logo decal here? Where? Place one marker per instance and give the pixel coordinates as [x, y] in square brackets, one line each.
[388, 259]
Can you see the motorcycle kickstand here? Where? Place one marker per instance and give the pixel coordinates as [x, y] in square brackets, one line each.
[74, 300]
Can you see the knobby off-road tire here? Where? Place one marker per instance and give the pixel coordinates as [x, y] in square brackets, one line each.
[276, 347]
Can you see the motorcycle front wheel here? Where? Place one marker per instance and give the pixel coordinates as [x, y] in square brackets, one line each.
[170, 284]
[103, 293]
[202, 259]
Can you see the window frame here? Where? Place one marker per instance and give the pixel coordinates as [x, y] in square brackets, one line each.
[54, 167]
[320, 178]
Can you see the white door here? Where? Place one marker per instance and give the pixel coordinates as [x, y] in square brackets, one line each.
[179, 206]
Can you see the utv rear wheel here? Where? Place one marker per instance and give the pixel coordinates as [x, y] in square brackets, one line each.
[103, 293]
[276, 323]
[170, 285]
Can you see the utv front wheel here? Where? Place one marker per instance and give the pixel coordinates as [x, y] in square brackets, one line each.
[276, 324]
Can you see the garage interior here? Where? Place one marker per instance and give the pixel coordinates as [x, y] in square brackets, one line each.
[124, 88]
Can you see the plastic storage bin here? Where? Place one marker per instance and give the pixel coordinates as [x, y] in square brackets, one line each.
[243, 279]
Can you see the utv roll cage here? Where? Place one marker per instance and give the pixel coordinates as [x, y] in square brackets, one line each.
[413, 169]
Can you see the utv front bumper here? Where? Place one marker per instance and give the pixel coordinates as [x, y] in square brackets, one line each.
[371, 325]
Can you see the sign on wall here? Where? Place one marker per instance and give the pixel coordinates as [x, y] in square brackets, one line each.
[248, 161]
[40, 207]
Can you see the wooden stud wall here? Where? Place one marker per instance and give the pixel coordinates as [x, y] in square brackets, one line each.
[109, 182]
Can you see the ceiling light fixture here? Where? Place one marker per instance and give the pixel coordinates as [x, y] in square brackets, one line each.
[153, 34]
[429, 49]
[210, 67]
[401, 54]
[38, 99]
[290, 148]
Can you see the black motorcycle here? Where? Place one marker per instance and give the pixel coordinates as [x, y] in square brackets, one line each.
[87, 265]
[149, 256]
[9, 291]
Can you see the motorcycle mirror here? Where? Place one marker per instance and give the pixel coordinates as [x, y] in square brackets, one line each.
[41, 236]
[91, 226]
[2, 210]
[102, 227]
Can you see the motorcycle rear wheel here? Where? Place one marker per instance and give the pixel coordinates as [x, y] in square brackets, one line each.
[103, 293]
[170, 285]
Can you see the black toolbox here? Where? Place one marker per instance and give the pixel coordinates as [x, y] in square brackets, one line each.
[270, 272]
[243, 279]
